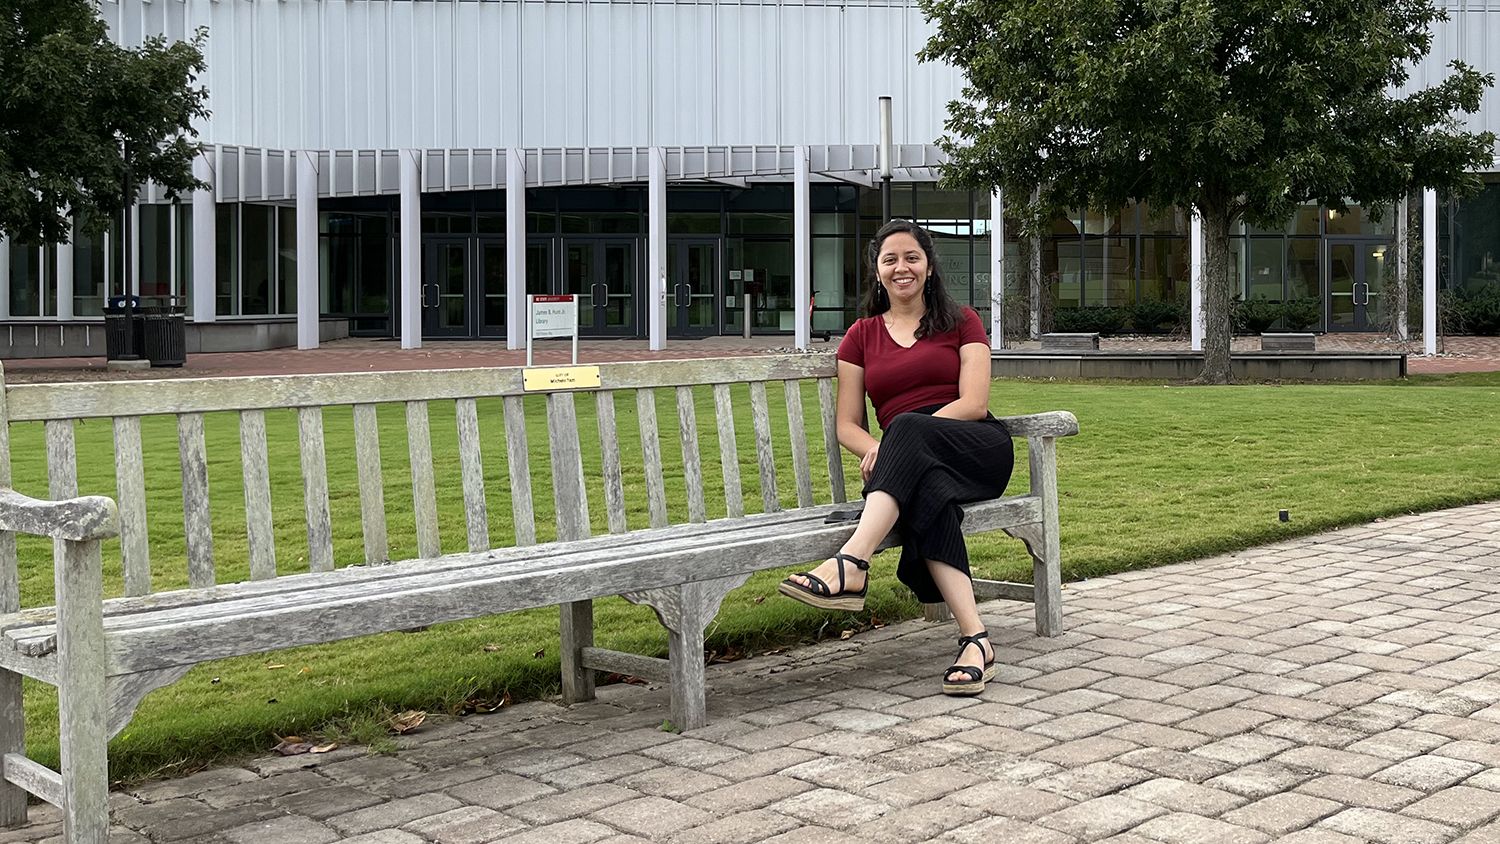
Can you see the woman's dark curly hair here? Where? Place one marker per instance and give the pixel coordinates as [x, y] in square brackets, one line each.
[943, 314]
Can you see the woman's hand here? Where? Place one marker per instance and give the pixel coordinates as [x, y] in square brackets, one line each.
[867, 463]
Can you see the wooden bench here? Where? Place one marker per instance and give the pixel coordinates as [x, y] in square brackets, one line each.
[1072, 342]
[1282, 341]
[105, 655]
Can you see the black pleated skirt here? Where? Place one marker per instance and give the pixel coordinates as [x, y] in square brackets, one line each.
[930, 465]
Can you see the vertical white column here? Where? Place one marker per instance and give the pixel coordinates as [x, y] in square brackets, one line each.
[516, 319]
[411, 249]
[1429, 272]
[1195, 280]
[307, 249]
[997, 269]
[1403, 270]
[65, 274]
[656, 264]
[135, 248]
[802, 250]
[4, 278]
[205, 258]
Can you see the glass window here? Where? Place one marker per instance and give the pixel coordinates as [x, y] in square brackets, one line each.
[25, 279]
[1102, 222]
[447, 222]
[1062, 270]
[227, 264]
[1164, 269]
[1357, 221]
[1109, 271]
[183, 281]
[955, 261]
[155, 243]
[1474, 244]
[833, 224]
[257, 243]
[1303, 268]
[1265, 269]
[286, 260]
[541, 223]
[935, 205]
[836, 288]
[1169, 220]
[88, 273]
[762, 223]
[901, 203]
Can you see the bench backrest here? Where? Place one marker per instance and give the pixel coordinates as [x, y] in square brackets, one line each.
[52, 430]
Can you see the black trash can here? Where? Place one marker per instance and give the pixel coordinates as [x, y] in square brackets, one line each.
[165, 331]
[165, 339]
[123, 336]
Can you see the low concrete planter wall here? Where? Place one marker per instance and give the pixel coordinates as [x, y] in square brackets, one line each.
[1248, 366]
[85, 338]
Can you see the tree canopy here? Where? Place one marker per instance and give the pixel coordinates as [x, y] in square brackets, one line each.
[1241, 109]
[80, 116]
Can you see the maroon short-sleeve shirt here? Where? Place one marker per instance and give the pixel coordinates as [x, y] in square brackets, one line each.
[900, 378]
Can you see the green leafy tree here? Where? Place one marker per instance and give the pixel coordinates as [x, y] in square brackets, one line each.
[84, 122]
[1240, 109]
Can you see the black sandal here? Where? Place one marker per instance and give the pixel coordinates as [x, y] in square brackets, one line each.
[973, 678]
[819, 595]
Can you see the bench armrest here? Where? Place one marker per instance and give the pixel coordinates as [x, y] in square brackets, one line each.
[83, 519]
[1056, 423]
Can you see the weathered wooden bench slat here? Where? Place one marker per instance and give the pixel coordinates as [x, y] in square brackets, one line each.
[149, 641]
[40, 402]
[255, 467]
[828, 410]
[196, 515]
[656, 490]
[423, 487]
[62, 460]
[692, 463]
[518, 463]
[471, 466]
[797, 432]
[729, 457]
[10, 587]
[760, 417]
[130, 492]
[371, 484]
[609, 448]
[463, 565]
[569, 494]
[315, 488]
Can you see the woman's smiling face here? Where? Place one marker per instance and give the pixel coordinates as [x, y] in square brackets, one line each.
[902, 267]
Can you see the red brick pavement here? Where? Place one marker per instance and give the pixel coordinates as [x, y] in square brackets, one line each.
[1458, 354]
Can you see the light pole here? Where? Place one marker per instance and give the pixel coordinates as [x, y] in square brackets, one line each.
[885, 160]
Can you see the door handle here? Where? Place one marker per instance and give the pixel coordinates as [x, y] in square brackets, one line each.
[677, 295]
[429, 295]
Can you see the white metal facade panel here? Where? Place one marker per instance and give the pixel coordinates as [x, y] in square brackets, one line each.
[343, 74]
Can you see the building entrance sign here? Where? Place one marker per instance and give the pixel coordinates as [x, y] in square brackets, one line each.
[551, 317]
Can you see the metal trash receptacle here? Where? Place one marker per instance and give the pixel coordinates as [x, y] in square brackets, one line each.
[123, 335]
[164, 337]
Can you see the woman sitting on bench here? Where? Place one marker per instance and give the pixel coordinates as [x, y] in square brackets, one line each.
[925, 364]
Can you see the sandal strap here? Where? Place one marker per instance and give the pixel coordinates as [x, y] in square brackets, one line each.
[862, 565]
[969, 671]
[966, 641]
[817, 586]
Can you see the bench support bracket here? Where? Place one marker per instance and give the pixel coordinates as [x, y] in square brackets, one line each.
[686, 612]
[126, 692]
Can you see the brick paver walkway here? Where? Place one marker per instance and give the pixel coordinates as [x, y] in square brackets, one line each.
[1459, 354]
[1337, 688]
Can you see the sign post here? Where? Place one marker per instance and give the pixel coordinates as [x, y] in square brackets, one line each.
[554, 316]
[551, 316]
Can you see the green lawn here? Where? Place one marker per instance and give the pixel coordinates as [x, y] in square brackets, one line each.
[1159, 474]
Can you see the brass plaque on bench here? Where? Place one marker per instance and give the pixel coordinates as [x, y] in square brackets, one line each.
[559, 378]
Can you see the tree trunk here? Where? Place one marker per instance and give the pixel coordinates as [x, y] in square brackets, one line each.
[1216, 296]
[1034, 272]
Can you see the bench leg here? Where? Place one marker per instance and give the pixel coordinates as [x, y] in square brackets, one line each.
[1047, 552]
[12, 740]
[686, 611]
[81, 694]
[577, 634]
[936, 612]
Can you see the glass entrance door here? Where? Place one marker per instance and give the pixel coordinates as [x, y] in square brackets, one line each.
[445, 288]
[463, 287]
[602, 274]
[693, 272]
[1356, 284]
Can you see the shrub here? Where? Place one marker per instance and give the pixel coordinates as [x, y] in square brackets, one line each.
[1302, 314]
[1253, 316]
[1105, 320]
[1158, 317]
[1473, 311]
